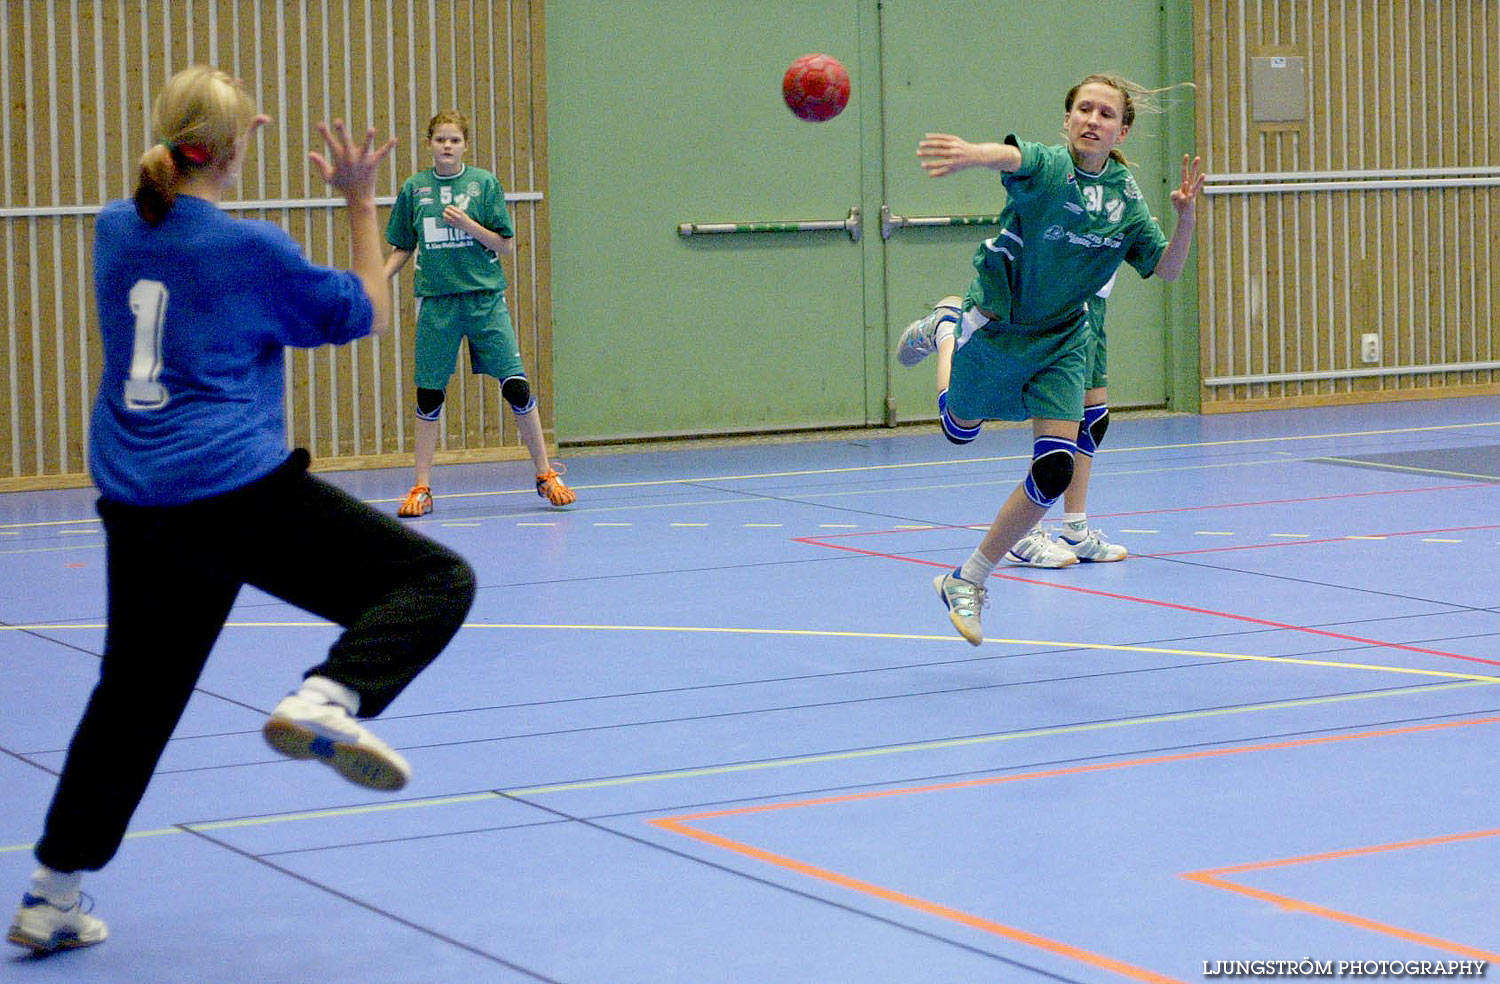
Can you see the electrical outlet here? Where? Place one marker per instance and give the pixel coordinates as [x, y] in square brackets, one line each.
[1369, 348]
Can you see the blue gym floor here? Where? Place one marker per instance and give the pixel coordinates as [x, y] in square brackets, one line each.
[711, 724]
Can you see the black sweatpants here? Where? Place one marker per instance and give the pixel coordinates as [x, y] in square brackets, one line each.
[173, 575]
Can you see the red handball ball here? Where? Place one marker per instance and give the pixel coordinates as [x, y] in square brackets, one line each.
[816, 88]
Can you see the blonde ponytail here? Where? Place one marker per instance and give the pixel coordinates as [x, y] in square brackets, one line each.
[199, 117]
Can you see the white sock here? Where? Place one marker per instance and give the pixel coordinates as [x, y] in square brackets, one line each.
[328, 691]
[1076, 522]
[948, 328]
[58, 887]
[978, 568]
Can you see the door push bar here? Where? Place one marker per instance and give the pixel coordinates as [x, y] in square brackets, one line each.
[849, 224]
[889, 223]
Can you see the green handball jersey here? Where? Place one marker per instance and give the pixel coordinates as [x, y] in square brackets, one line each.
[1063, 234]
[449, 260]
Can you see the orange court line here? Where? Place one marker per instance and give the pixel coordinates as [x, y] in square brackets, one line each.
[919, 904]
[1210, 876]
[680, 824]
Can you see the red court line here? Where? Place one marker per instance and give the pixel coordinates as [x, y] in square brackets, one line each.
[1212, 877]
[680, 824]
[1268, 623]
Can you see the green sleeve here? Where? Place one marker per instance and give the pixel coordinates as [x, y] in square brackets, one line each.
[400, 231]
[1148, 243]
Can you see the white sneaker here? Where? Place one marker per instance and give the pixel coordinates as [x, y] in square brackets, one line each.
[965, 600]
[1093, 547]
[300, 728]
[1036, 549]
[45, 927]
[920, 340]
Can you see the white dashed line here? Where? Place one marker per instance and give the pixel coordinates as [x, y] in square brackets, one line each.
[1438, 539]
[1212, 533]
[1292, 536]
[1364, 538]
[1140, 531]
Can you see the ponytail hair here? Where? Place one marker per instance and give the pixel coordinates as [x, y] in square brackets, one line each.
[198, 118]
[1137, 98]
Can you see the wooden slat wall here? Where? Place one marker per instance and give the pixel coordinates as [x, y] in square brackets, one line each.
[78, 78]
[1289, 280]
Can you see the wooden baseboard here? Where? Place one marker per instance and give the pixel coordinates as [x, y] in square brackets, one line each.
[80, 480]
[1347, 399]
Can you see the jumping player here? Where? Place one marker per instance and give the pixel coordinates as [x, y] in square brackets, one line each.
[1076, 539]
[453, 217]
[1019, 349]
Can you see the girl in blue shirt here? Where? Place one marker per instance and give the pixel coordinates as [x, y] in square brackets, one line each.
[199, 494]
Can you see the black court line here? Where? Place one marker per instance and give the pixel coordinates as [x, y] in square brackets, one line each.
[921, 779]
[1481, 462]
[377, 910]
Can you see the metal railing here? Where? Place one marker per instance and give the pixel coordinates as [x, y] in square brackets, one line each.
[849, 224]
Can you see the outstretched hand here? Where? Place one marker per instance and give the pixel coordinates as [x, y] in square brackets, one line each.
[350, 167]
[1185, 196]
[943, 153]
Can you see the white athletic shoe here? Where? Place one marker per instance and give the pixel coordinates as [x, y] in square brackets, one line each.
[920, 340]
[1093, 547]
[45, 927]
[1037, 549]
[300, 728]
[965, 600]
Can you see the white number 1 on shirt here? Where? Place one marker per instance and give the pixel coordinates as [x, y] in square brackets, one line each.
[148, 300]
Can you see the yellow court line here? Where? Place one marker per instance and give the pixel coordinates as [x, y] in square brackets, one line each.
[1454, 681]
[99, 545]
[940, 463]
[836, 634]
[924, 746]
[948, 463]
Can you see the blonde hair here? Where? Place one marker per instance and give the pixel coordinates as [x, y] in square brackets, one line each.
[198, 118]
[449, 116]
[1137, 98]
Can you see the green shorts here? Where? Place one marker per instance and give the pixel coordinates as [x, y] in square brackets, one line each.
[1098, 371]
[445, 320]
[1021, 372]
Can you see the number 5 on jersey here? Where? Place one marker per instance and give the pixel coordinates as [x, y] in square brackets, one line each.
[148, 301]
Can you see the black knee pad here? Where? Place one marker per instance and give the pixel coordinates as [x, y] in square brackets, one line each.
[1051, 469]
[517, 392]
[430, 403]
[1092, 427]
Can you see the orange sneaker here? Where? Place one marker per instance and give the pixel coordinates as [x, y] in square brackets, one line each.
[550, 487]
[418, 502]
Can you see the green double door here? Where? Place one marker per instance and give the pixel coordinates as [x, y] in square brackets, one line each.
[668, 115]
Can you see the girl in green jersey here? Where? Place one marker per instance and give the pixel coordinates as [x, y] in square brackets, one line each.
[1019, 349]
